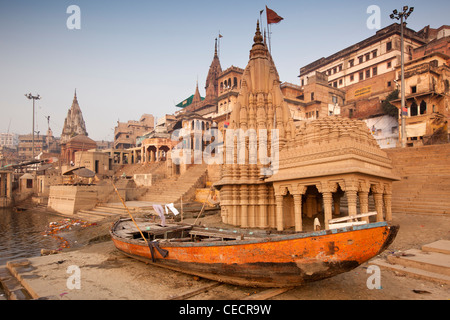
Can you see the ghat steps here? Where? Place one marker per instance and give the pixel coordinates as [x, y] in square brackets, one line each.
[431, 263]
[425, 179]
[172, 189]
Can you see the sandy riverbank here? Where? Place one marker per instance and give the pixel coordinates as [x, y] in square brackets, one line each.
[107, 274]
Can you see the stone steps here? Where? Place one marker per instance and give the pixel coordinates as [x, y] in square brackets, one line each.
[431, 263]
[425, 184]
[171, 190]
[102, 212]
[11, 285]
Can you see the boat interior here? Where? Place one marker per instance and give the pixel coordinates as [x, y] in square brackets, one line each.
[178, 232]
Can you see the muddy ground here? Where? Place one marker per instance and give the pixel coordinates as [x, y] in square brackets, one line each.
[114, 276]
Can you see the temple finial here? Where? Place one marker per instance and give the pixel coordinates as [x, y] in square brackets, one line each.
[215, 48]
[258, 37]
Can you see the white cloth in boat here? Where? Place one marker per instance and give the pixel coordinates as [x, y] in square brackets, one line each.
[160, 211]
[172, 208]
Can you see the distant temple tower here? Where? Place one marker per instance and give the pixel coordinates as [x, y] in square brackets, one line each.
[74, 123]
[212, 84]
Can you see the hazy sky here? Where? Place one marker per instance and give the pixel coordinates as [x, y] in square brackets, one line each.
[134, 57]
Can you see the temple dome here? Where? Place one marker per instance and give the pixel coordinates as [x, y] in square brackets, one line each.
[332, 146]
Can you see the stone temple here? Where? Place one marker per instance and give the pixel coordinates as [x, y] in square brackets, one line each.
[74, 123]
[294, 171]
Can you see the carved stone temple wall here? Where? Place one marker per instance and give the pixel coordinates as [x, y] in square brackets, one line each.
[271, 181]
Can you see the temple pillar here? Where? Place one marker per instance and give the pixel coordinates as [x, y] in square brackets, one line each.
[364, 203]
[387, 204]
[279, 212]
[298, 212]
[378, 197]
[152, 155]
[327, 204]
[379, 205]
[352, 200]
[244, 205]
[262, 205]
[388, 201]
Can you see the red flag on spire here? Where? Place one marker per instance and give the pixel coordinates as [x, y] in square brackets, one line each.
[272, 16]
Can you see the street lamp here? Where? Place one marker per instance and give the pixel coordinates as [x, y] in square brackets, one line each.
[403, 15]
[31, 97]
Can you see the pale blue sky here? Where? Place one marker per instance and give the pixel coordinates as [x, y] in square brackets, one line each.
[134, 57]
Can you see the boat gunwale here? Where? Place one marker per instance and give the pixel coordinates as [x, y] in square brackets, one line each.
[262, 239]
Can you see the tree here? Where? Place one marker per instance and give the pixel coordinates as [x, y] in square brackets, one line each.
[389, 108]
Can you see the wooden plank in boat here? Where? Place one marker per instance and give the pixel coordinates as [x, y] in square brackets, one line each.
[215, 234]
[352, 217]
[158, 230]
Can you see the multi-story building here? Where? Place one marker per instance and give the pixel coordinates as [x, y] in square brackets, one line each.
[10, 140]
[25, 148]
[125, 133]
[371, 57]
[368, 72]
[427, 99]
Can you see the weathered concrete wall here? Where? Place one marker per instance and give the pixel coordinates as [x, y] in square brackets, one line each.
[70, 199]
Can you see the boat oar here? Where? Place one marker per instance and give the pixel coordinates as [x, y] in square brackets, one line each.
[151, 245]
[204, 203]
[129, 213]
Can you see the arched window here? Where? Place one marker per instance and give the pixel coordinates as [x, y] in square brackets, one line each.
[413, 109]
[423, 107]
[235, 82]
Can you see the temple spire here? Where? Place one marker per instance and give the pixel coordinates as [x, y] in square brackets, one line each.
[258, 37]
[215, 49]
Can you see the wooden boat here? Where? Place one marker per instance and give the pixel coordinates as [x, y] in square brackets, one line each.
[252, 258]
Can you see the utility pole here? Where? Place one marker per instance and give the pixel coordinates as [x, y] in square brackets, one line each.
[402, 16]
[31, 97]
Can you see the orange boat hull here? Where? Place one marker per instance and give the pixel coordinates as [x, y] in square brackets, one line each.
[288, 260]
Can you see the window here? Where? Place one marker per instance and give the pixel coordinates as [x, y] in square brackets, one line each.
[389, 64]
[389, 46]
[389, 84]
[374, 71]
[335, 84]
[334, 99]
[361, 76]
[340, 67]
[303, 82]
[352, 77]
[350, 113]
[367, 73]
[340, 82]
[351, 63]
[413, 109]
[423, 107]
[360, 59]
[367, 56]
[394, 130]
[312, 96]
[374, 53]
[413, 89]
